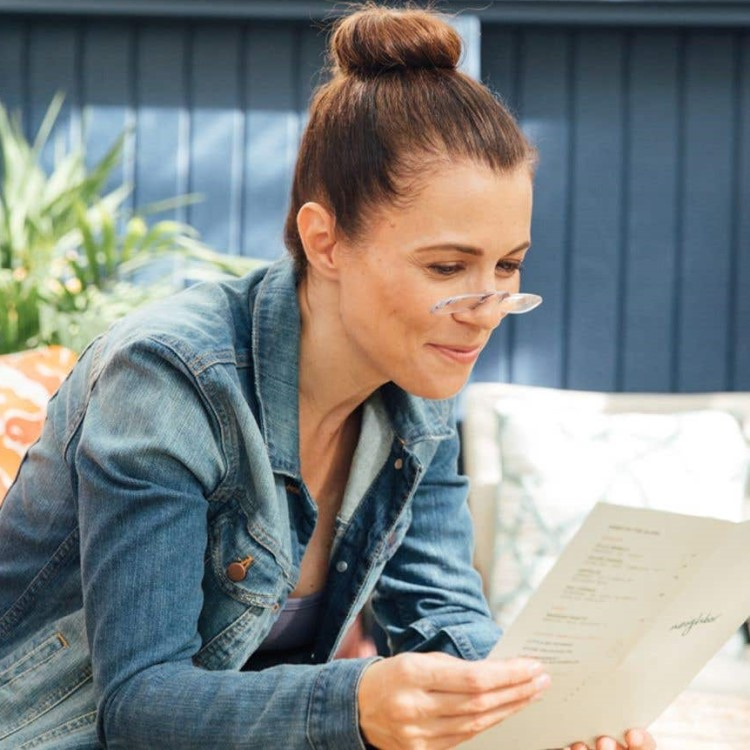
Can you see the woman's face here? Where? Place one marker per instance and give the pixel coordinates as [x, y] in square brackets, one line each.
[467, 230]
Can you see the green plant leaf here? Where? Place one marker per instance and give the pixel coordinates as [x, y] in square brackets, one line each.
[73, 260]
[89, 246]
[48, 123]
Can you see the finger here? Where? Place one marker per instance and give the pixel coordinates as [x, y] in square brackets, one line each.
[461, 676]
[449, 741]
[607, 743]
[640, 739]
[460, 704]
[470, 724]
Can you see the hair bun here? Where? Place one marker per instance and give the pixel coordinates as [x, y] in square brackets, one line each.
[377, 39]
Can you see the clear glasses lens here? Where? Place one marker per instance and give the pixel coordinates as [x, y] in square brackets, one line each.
[500, 302]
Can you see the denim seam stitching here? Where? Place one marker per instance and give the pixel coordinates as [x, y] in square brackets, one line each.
[82, 677]
[210, 407]
[12, 615]
[311, 709]
[72, 724]
[216, 643]
[29, 656]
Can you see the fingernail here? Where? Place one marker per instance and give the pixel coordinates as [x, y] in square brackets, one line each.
[535, 667]
[635, 737]
[541, 681]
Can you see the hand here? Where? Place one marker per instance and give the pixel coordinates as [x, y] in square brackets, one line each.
[636, 739]
[435, 701]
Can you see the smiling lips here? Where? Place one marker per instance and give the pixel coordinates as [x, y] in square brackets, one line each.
[461, 354]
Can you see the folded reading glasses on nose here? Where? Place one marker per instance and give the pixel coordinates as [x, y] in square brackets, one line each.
[496, 301]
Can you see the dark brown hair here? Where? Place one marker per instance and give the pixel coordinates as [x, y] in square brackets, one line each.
[395, 107]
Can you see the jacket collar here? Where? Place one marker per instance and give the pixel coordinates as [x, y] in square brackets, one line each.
[275, 342]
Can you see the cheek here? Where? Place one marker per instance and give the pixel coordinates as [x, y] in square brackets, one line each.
[412, 318]
[396, 306]
[385, 308]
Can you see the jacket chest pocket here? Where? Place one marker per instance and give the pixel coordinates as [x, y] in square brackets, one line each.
[241, 566]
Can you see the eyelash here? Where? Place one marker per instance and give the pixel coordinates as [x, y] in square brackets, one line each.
[450, 269]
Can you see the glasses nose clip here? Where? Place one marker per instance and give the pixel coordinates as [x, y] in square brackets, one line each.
[483, 297]
[506, 302]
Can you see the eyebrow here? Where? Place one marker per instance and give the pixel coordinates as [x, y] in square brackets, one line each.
[471, 250]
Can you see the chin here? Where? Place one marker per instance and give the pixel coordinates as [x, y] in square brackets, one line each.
[433, 388]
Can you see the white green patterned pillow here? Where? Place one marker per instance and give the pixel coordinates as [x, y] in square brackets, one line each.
[557, 464]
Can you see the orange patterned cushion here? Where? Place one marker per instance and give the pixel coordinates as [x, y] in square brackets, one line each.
[27, 380]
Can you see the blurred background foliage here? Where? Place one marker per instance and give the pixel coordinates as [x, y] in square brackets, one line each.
[73, 258]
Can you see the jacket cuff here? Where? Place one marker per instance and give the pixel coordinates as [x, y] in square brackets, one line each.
[333, 719]
[469, 641]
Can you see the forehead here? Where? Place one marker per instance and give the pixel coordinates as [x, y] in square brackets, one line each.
[467, 200]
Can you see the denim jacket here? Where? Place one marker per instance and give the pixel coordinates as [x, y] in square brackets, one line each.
[170, 453]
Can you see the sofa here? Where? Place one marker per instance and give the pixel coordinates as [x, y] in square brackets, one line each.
[539, 458]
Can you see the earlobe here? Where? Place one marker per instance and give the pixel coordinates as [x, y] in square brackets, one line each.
[317, 230]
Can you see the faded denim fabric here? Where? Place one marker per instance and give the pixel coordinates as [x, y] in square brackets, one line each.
[167, 455]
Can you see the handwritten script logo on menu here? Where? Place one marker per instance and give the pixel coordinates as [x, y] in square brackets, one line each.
[687, 625]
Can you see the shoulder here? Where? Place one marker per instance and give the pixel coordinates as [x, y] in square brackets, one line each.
[204, 325]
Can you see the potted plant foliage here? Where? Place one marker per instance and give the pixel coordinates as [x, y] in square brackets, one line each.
[72, 258]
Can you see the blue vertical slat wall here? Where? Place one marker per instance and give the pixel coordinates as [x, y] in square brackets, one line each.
[652, 221]
[641, 236]
[641, 233]
[216, 133]
[710, 92]
[739, 348]
[13, 49]
[106, 87]
[161, 53]
[271, 132]
[543, 99]
[596, 207]
[54, 65]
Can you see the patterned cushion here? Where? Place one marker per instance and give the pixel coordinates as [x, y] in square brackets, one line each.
[556, 464]
[27, 380]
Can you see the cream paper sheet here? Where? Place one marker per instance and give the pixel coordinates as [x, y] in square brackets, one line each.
[636, 605]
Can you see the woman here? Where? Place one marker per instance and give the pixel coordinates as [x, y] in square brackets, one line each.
[227, 477]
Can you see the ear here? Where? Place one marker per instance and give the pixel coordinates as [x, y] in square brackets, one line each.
[317, 230]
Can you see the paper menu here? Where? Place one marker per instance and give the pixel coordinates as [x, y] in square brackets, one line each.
[637, 603]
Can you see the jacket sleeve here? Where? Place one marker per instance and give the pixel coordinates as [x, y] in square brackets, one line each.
[429, 597]
[146, 462]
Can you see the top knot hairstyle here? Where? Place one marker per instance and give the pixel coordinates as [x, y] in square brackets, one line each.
[395, 107]
[378, 39]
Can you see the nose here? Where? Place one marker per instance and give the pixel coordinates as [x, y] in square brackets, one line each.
[486, 316]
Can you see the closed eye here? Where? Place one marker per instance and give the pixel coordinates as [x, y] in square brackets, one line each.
[445, 269]
[509, 267]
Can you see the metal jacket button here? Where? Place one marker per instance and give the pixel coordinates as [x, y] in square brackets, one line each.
[341, 566]
[398, 463]
[237, 571]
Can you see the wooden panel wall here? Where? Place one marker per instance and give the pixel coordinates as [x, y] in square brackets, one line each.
[214, 108]
[641, 230]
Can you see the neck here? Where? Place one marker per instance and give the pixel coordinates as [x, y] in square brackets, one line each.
[333, 381]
